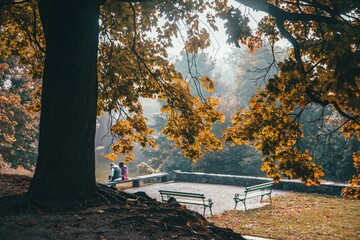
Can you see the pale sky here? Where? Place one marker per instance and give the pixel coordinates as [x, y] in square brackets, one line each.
[219, 47]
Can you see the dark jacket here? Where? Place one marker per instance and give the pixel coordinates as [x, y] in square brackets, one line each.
[117, 173]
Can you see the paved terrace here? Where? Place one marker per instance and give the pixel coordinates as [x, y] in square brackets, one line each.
[222, 195]
[221, 189]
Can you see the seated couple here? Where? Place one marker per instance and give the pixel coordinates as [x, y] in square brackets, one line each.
[118, 172]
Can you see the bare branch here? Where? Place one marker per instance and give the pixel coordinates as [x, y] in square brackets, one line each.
[30, 36]
[317, 99]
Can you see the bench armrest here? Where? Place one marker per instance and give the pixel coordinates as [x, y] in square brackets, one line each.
[238, 195]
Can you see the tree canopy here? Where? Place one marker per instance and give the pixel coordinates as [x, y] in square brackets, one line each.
[133, 63]
[323, 69]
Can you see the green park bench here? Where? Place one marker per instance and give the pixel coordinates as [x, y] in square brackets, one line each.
[254, 191]
[136, 180]
[187, 198]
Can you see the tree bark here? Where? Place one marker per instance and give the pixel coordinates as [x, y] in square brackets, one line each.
[65, 166]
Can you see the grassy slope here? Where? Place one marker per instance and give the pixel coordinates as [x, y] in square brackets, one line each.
[297, 216]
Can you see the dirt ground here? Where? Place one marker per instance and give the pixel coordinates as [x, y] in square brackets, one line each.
[136, 219]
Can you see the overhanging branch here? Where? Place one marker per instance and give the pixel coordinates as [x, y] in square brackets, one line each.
[126, 1]
[264, 6]
[316, 99]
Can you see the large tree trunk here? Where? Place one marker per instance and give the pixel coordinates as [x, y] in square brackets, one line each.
[66, 163]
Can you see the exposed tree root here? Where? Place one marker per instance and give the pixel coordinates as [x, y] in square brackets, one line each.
[15, 204]
[137, 213]
[24, 203]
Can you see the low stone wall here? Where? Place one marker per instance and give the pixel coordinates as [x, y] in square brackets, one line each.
[329, 188]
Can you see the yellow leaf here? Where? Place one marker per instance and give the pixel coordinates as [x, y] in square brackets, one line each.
[111, 156]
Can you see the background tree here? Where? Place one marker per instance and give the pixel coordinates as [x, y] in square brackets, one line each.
[18, 132]
[132, 64]
[166, 156]
[329, 148]
[238, 160]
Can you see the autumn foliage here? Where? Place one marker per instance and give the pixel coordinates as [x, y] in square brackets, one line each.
[322, 70]
[133, 64]
[18, 132]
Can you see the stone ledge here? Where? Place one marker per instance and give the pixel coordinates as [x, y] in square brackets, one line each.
[329, 188]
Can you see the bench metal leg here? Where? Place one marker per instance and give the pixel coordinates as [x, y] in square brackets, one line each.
[269, 195]
[136, 183]
[236, 202]
[209, 209]
[164, 179]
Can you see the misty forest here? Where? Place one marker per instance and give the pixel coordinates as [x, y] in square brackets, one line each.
[251, 88]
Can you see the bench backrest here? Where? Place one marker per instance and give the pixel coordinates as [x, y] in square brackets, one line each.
[182, 194]
[260, 187]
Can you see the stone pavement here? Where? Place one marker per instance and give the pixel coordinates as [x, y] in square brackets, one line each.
[222, 196]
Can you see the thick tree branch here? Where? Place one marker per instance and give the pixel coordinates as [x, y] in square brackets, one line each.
[263, 5]
[313, 3]
[9, 2]
[126, 1]
[293, 41]
[324, 103]
[321, 6]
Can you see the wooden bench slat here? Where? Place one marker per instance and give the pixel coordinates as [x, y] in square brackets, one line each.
[260, 186]
[252, 195]
[190, 202]
[136, 180]
[183, 194]
[187, 198]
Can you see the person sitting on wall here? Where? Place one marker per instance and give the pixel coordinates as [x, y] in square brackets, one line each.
[124, 171]
[115, 172]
